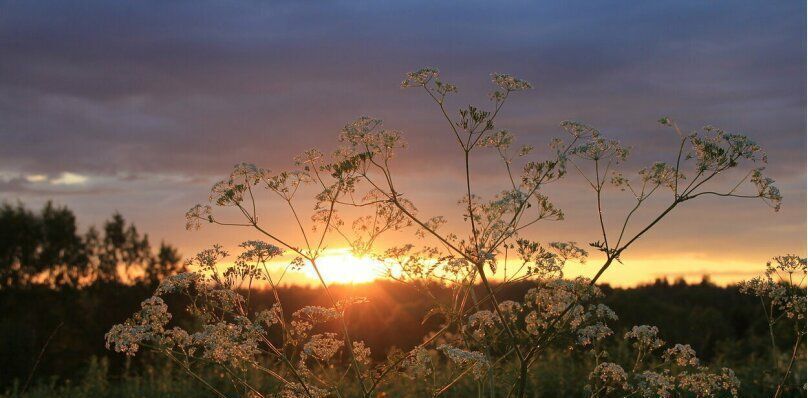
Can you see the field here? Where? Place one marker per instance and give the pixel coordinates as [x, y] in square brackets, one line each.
[725, 327]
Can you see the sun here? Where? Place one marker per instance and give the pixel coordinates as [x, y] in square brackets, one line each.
[341, 266]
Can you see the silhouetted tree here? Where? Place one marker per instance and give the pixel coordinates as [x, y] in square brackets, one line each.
[42, 248]
[166, 262]
[46, 248]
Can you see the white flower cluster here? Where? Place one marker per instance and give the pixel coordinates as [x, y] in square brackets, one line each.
[361, 353]
[233, 344]
[682, 355]
[482, 322]
[418, 364]
[323, 346]
[510, 83]
[600, 148]
[655, 385]
[230, 192]
[510, 310]
[147, 325]
[609, 377]
[782, 286]
[419, 77]
[474, 360]
[645, 338]
[679, 373]
[766, 189]
[297, 390]
[177, 283]
[589, 335]
[558, 299]
[705, 384]
[197, 214]
[660, 173]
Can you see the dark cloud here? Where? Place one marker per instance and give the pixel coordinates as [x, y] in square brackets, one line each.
[192, 87]
[152, 86]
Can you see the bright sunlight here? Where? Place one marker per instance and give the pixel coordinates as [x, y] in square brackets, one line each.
[341, 266]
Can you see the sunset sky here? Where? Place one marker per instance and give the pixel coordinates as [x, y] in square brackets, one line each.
[139, 107]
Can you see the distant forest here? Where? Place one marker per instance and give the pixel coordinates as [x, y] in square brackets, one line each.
[61, 289]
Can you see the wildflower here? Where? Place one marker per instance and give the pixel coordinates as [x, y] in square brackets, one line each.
[619, 181]
[569, 251]
[553, 298]
[510, 83]
[196, 214]
[146, 325]
[323, 346]
[297, 390]
[176, 337]
[474, 359]
[540, 261]
[578, 130]
[766, 189]
[269, 317]
[589, 335]
[705, 384]
[718, 150]
[207, 260]
[308, 158]
[258, 251]
[599, 148]
[510, 310]
[537, 173]
[346, 302]
[682, 355]
[225, 298]
[248, 173]
[500, 140]
[178, 282]
[356, 132]
[481, 321]
[233, 344]
[420, 77]
[361, 352]
[602, 312]
[645, 337]
[781, 286]
[610, 377]
[230, 192]
[418, 364]
[660, 173]
[654, 385]
[316, 314]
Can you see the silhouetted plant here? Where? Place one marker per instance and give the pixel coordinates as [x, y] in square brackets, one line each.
[782, 295]
[491, 342]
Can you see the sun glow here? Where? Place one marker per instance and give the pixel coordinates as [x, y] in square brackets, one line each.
[341, 266]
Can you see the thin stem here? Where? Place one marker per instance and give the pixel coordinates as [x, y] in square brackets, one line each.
[780, 389]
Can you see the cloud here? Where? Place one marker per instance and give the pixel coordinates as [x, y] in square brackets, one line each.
[151, 100]
[68, 178]
[41, 185]
[194, 88]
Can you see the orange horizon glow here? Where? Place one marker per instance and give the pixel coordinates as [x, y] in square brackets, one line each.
[341, 267]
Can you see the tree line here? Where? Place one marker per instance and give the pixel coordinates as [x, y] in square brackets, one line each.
[47, 248]
[61, 288]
